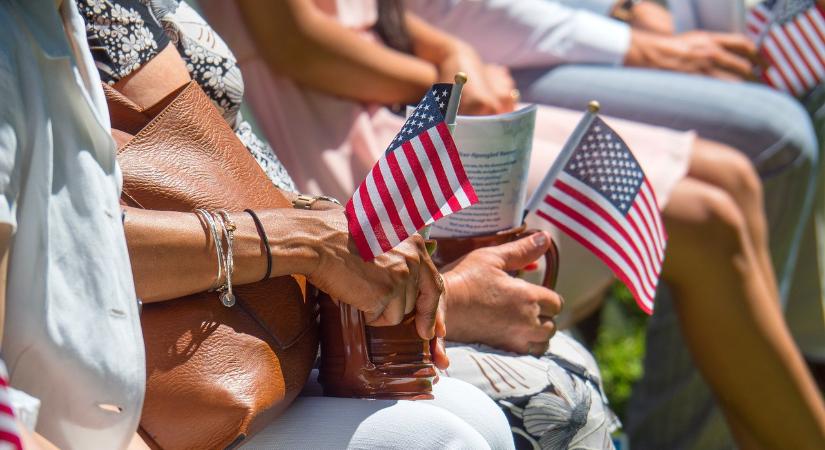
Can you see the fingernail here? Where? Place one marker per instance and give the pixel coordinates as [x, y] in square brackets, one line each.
[539, 239]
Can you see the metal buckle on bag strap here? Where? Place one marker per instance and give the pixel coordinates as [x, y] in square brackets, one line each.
[306, 201]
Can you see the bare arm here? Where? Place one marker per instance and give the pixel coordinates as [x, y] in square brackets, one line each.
[5, 239]
[317, 51]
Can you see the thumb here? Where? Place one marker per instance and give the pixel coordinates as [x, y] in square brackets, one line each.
[518, 254]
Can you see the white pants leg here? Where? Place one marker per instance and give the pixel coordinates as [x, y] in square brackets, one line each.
[460, 417]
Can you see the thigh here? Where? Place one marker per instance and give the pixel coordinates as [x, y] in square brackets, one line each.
[475, 408]
[330, 423]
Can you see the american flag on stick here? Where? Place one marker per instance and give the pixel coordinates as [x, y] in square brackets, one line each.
[597, 193]
[417, 181]
[791, 37]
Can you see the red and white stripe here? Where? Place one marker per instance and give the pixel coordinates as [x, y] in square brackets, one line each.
[9, 433]
[757, 21]
[410, 187]
[796, 52]
[632, 245]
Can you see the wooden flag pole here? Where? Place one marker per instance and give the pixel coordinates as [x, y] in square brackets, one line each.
[538, 195]
[455, 100]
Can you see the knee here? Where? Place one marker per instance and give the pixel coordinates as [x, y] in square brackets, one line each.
[475, 408]
[745, 185]
[719, 225]
[789, 130]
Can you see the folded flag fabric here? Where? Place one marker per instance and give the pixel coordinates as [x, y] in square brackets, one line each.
[759, 19]
[417, 181]
[598, 194]
[791, 38]
[9, 435]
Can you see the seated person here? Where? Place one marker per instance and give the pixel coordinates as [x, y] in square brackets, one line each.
[660, 69]
[710, 192]
[69, 287]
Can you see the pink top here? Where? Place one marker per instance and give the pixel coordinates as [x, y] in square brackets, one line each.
[328, 143]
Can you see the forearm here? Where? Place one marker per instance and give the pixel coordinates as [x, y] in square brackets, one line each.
[429, 43]
[173, 254]
[316, 51]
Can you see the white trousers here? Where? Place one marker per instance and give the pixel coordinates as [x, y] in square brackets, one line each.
[460, 417]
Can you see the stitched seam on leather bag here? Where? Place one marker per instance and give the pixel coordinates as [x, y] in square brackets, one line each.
[154, 123]
[125, 194]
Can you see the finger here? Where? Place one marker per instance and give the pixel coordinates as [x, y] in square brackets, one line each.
[430, 288]
[439, 353]
[542, 333]
[549, 302]
[537, 348]
[440, 321]
[393, 312]
[508, 103]
[733, 63]
[411, 289]
[518, 254]
[736, 43]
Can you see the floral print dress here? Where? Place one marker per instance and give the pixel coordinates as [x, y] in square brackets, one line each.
[125, 34]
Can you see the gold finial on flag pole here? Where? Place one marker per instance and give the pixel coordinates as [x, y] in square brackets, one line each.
[455, 98]
[594, 106]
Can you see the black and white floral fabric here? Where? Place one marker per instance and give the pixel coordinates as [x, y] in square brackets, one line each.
[125, 34]
[553, 402]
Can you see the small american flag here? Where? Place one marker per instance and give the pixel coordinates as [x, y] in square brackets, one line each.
[417, 181]
[602, 199]
[9, 433]
[793, 43]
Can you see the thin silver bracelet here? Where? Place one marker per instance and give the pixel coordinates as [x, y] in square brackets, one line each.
[228, 227]
[216, 239]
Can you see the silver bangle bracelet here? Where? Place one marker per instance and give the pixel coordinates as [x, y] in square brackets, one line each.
[216, 239]
[228, 227]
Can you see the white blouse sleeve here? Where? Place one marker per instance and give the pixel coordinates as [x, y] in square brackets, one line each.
[529, 33]
[10, 111]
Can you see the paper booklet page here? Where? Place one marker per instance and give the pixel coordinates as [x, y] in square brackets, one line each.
[495, 152]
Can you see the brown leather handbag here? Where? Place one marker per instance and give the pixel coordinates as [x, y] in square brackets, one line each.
[214, 374]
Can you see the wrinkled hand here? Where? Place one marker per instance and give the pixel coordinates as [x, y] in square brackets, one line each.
[477, 98]
[721, 55]
[502, 85]
[484, 304]
[386, 288]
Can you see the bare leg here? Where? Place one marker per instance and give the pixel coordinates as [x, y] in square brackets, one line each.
[730, 170]
[732, 321]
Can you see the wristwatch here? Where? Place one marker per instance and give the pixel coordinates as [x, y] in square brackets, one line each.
[624, 10]
[306, 201]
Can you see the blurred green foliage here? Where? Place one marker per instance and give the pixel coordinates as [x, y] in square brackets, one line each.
[620, 346]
